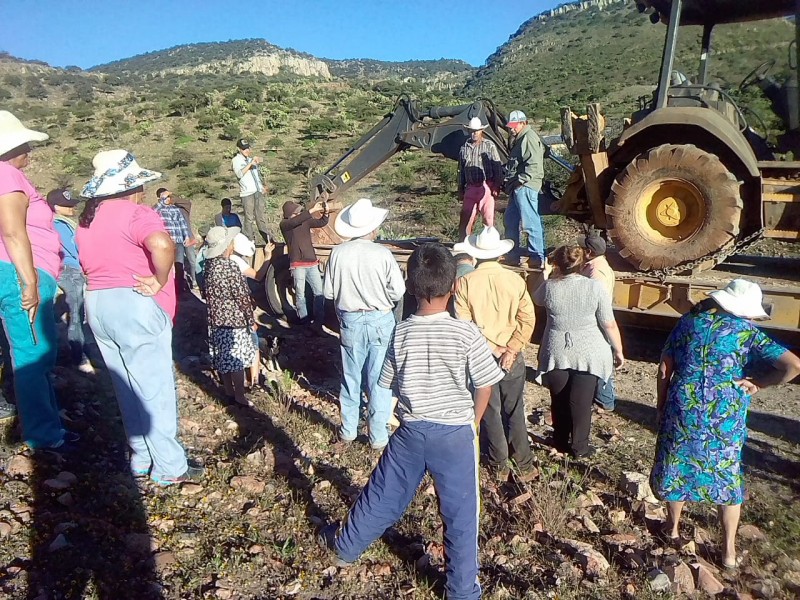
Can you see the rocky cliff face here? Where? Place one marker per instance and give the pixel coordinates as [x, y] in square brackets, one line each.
[270, 64]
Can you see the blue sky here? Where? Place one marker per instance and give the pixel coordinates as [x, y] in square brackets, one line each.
[87, 33]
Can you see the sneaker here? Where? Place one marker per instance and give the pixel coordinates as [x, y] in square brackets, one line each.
[86, 367]
[7, 411]
[379, 449]
[140, 472]
[191, 474]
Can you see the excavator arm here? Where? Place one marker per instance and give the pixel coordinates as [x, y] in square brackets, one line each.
[441, 130]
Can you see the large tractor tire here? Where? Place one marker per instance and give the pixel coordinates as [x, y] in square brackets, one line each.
[279, 287]
[672, 205]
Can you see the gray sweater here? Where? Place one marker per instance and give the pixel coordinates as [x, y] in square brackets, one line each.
[573, 337]
[363, 275]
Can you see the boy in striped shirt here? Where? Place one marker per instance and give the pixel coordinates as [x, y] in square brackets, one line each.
[427, 366]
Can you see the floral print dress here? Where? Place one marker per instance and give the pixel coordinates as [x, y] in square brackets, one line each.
[230, 316]
[699, 447]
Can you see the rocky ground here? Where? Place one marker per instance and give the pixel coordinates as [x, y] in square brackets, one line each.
[84, 528]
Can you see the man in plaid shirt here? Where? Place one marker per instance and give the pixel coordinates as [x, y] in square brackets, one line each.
[178, 229]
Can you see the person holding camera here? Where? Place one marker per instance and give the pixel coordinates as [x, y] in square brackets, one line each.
[251, 191]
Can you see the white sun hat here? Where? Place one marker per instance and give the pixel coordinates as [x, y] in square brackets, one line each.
[115, 172]
[243, 246]
[14, 134]
[485, 245]
[360, 218]
[218, 239]
[741, 298]
[475, 124]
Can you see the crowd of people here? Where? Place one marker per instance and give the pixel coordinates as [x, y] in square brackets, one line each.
[454, 368]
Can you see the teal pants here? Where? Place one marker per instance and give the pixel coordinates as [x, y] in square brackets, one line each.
[32, 362]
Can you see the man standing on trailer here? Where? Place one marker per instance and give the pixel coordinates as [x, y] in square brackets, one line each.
[480, 178]
[251, 191]
[524, 182]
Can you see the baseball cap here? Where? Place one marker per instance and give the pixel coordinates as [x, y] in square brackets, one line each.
[517, 116]
[242, 144]
[592, 242]
[62, 197]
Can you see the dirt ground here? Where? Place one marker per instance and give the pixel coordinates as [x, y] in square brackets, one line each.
[84, 528]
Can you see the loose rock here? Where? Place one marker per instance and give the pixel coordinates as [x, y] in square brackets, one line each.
[705, 580]
[658, 581]
[681, 576]
[638, 486]
[751, 533]
[19, 466]
[58, 544]
[248, 484]
[190, 489]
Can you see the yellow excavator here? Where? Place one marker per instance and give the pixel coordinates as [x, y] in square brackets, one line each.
[689, 182]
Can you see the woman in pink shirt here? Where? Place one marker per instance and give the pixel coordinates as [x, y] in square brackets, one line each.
[29, 265]
[128, 258]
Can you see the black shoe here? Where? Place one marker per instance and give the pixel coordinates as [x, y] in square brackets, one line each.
[588, 454]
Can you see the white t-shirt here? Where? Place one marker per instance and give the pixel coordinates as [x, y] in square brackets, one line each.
[249, 181]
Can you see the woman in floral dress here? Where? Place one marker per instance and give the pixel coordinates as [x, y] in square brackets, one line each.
[230, 313]
[703, 397]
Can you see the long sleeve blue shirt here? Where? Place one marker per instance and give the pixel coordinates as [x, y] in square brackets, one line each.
[69, 249]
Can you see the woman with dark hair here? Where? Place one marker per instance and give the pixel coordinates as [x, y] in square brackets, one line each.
[702, 400]
[128, 258]
[580, 344]
[29, 265]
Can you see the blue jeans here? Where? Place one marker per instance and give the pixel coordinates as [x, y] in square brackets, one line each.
[450, 454]
[72, 282]
[312, 277]
[523, 209]
[135, 338]
[606, 393]
[32, 362]
[365, 338]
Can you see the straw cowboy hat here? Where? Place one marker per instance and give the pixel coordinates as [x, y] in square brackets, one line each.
[115, 172]
[485, 245]
[476, 125]
[14, 134]
[360, 218]
[741, 298]
[243, 246]
[218, 239]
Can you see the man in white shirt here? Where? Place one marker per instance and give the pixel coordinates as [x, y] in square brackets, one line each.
[364, 282]
[251, 191]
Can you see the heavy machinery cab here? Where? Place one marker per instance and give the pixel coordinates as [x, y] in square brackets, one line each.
[690, 180]
[676, 89]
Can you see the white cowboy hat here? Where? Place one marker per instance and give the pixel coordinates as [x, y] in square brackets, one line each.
[116, 171]
[485, 245]
[360, 218]
[243, 246]
[218, 239]
[741, 298]
[476, 125]
[14, 134]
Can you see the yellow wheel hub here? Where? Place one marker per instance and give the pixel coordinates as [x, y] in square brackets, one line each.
[671, 210]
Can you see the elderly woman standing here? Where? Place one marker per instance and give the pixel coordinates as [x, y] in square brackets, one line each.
[580, 345]
[230, 313]
[29, 265]
[703, 397]
[128, 257]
